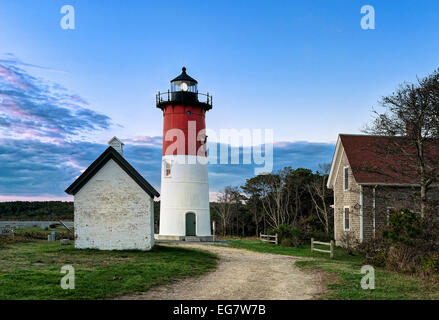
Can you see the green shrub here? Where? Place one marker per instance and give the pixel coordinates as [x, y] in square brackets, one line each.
[374, 251]
[430, 263]
[319, 236]
[288, 236]
[409, 244]
[405, 227]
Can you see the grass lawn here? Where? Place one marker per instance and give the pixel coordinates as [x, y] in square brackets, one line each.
[343, 274]
[31, 270]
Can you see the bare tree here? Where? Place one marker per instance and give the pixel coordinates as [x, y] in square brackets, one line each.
[296, 182]
[275, 198]
[412, 114]
[253, 191]
[226, 201]
[319, 194]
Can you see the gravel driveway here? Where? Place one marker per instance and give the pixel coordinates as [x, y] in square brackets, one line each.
[241, 275]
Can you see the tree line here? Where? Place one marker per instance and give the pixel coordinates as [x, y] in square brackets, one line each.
[296, 197]
[36, 210]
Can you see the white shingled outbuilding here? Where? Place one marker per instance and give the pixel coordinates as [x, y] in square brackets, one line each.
[114, 204]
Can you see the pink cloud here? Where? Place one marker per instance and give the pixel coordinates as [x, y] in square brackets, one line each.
[37, 109]
[12, 108]
[145, 140]
[12, 78]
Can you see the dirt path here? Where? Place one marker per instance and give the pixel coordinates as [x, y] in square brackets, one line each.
[241, 275]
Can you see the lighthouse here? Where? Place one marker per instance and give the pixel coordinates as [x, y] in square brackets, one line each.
[184, 201]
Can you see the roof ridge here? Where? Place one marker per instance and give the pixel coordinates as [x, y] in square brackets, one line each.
[367, 135]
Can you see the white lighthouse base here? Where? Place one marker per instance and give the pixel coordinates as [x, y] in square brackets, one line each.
[184, 200]
[160, 237]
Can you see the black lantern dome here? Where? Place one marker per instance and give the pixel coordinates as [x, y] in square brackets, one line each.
[184, 83]
[184, 89]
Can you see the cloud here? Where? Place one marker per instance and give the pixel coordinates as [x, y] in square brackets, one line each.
[35, 168]
[10, 58]
[34, 108]
[43, 145]
[302, 154]
[145, 140]
[299, 154]
[31, 168]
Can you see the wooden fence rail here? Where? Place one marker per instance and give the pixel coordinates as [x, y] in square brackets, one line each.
[330, 244]
[268, 238]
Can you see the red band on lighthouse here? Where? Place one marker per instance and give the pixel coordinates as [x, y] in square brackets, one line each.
[188, 120]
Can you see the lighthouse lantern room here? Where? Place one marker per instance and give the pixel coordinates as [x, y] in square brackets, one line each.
[184, 201]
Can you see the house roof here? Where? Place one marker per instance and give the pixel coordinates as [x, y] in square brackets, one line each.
[107, 155]
[381, 159]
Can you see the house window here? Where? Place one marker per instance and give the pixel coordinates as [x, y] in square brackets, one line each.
[346, 178]
[167, 169]
[346, 219]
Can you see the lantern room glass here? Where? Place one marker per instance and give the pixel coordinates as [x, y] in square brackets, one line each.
[187, 86]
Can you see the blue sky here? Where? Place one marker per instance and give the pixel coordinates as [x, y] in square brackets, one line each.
[305, 69]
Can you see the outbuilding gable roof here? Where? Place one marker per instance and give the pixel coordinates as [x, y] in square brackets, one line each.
[107, 155]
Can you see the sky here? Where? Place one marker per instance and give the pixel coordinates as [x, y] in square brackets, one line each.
[304, 69]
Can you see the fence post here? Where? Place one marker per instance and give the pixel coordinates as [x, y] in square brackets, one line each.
[332, 249]
[276, 239]
[312, 244]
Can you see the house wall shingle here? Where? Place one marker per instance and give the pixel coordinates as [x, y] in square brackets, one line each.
[396, 197]
[343, 198]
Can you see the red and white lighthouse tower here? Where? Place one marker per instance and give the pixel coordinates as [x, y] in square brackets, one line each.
[184, 207]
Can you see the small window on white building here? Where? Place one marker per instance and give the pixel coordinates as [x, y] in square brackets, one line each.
[167, 169]
[346, 178]
[346, 219]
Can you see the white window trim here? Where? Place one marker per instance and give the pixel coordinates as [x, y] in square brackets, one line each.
[166, 167]
[344, 179]
[344, 218]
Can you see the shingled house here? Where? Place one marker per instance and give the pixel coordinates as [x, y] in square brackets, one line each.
[113, 204]
[369, 183]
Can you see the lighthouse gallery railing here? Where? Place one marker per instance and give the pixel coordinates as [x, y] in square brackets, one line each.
[169, 96]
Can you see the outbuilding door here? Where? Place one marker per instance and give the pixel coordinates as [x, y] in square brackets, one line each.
[190, 224]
